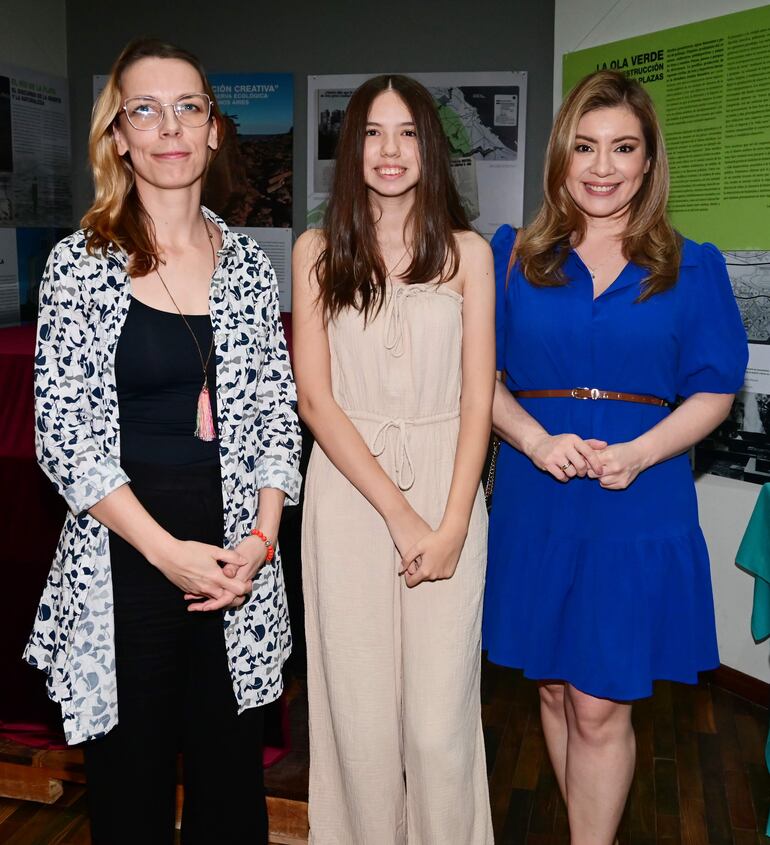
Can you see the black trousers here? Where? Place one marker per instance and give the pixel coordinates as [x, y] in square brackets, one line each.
[174, 694]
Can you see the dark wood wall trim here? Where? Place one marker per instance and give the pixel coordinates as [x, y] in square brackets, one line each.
[740, 684]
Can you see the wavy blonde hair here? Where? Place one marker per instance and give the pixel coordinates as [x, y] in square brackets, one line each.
[649, 240]
[117, 219]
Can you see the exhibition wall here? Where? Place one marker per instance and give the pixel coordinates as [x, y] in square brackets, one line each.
[34, 41]
[334, 37]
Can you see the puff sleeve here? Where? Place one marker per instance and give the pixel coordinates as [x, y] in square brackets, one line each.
[713, 346]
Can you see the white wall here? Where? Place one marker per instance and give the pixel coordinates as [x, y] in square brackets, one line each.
[33, 35]
[725, 505]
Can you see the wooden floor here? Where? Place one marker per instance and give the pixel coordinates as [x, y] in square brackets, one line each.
[701, 775]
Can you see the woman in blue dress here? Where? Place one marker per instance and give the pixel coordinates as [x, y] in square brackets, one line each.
[598, 576]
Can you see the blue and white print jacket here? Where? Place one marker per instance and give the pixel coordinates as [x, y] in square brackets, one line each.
[84, 300]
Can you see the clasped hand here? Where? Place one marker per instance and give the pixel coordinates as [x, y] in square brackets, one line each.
[195, 568]
[621, 464]
[567, 456]
[241, 566]
[426, 555]
[433, 557]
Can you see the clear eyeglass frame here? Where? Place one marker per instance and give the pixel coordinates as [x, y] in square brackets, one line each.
[189, 119]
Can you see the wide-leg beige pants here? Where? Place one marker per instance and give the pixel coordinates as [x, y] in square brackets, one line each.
[396, 745]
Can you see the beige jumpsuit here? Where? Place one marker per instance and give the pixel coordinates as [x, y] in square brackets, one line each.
[396, 745]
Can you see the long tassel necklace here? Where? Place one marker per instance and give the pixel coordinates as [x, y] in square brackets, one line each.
[204, 420]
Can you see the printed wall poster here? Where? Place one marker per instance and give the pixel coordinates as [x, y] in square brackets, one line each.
[9, 279]
[23, 254]
[711, 85]
[252, 182]
[740, 447]
[277, 246]
[35, 176]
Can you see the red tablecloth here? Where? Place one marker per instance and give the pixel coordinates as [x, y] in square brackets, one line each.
[31, 516]
[17, 350]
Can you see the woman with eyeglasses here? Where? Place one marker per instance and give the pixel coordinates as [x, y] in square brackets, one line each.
[165, 417]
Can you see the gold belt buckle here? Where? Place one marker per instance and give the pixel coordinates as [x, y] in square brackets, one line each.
[592, 393]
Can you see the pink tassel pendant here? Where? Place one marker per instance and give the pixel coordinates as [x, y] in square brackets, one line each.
[204, 421]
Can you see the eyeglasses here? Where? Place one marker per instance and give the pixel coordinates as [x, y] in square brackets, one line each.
[191, 110]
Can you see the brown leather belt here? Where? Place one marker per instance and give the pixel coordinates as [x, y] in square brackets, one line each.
[592, 393]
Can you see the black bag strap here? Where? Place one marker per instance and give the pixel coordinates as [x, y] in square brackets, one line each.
[511, 262]
[512, 259]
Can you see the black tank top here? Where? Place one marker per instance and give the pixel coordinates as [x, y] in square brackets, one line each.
[159, 376]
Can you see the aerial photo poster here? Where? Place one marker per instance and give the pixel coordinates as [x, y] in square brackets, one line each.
[260, 109]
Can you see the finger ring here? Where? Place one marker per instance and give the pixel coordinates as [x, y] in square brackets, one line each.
[566, 466]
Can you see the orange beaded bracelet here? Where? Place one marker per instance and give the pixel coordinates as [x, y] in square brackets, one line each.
[270, 548]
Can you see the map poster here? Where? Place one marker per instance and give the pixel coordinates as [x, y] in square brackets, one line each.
[740, 447]
[35, 173]
[711, 85]
[484, 117]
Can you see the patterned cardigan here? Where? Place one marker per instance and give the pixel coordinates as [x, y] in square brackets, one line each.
[84, 300]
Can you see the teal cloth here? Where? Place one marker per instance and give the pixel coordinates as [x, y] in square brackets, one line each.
[754, 556]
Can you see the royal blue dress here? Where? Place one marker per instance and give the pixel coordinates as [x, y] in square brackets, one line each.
[606, 589]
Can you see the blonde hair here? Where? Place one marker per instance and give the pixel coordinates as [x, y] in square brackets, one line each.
[649, 239]
[117, 218]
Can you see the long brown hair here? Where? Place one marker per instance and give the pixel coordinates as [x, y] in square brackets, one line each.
[117, 218]
[649, 239]
[350, 268]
